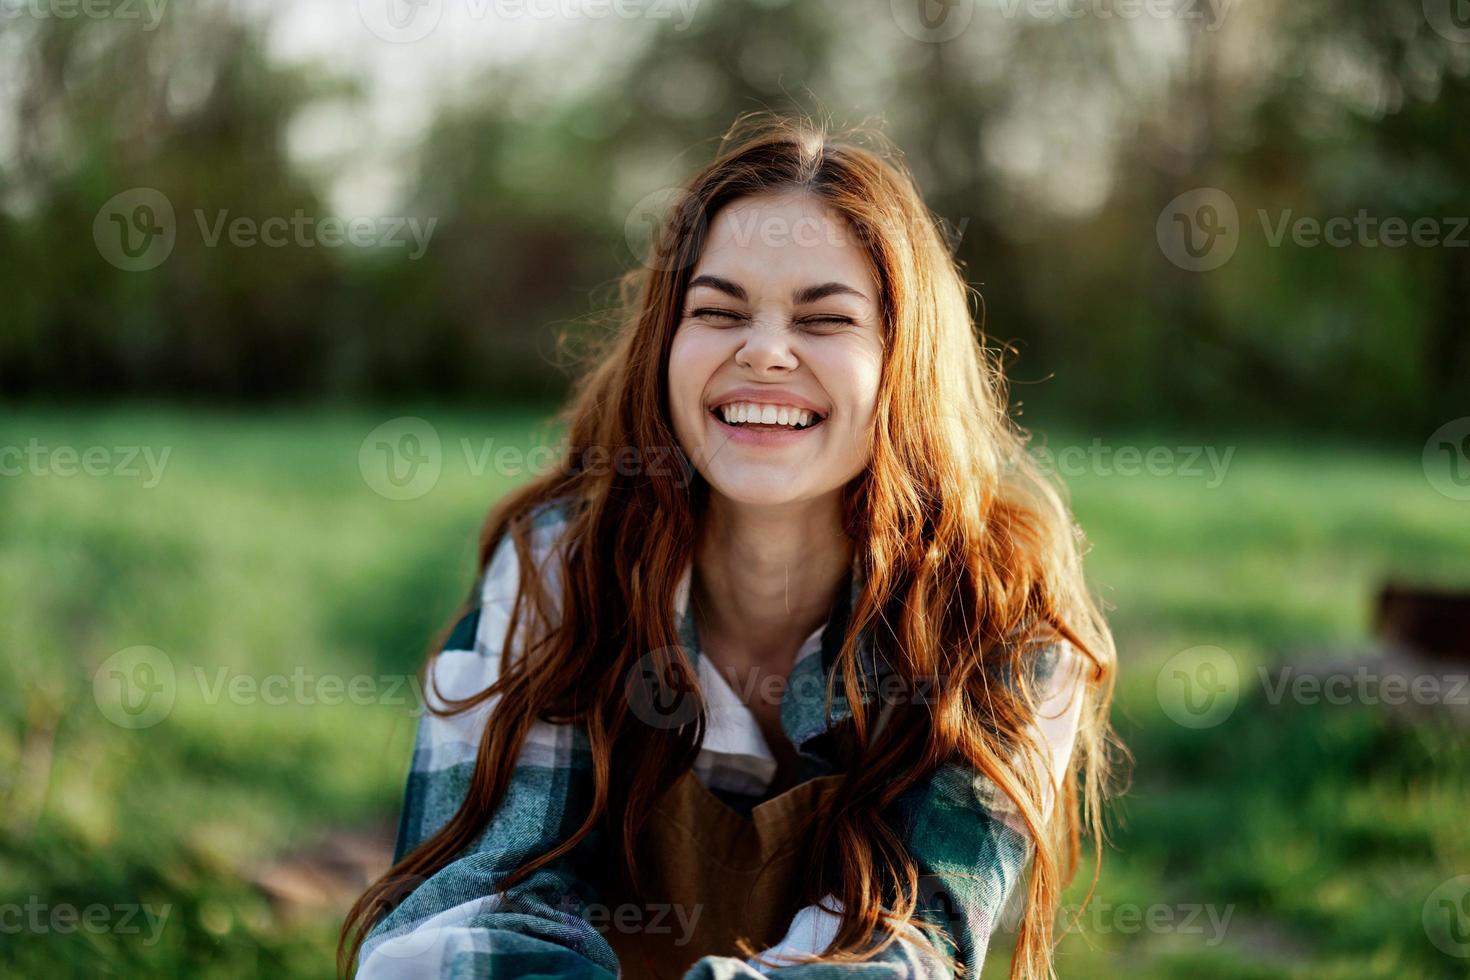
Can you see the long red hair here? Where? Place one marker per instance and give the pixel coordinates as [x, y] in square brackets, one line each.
[963, 544]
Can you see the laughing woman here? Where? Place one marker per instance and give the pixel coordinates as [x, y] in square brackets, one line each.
[789, 669]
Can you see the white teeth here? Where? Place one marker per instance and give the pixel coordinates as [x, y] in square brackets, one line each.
[736, 413]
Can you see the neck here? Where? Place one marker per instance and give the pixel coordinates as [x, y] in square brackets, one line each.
[766, 578]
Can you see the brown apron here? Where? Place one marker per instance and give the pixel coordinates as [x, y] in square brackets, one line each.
[703, 884]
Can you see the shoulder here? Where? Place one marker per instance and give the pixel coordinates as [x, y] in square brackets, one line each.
[470, 659]
[549, 523]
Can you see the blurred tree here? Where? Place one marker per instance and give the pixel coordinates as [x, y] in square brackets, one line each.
[194, 110]
[1048, 144]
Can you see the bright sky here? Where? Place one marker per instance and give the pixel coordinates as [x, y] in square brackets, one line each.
[410, 56]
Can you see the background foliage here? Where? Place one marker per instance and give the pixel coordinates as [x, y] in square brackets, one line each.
[1048, 144]
[1328, 839]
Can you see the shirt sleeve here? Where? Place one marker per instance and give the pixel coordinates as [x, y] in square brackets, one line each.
[971, 849]
[459, 922]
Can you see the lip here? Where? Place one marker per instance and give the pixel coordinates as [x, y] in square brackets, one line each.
[766, 396]
[760, 437]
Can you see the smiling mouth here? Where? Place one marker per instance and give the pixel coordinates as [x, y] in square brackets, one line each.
[767, 418]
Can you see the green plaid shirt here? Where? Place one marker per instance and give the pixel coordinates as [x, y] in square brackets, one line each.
[964, 835]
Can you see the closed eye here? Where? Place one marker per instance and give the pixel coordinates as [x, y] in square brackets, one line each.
[711, 313]
[826, 321]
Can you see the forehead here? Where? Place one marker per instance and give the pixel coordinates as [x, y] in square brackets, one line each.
[774, 241]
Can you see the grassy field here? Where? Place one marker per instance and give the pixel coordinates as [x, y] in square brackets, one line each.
[281, 597]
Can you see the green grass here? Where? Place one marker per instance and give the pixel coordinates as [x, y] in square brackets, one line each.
[262, 550]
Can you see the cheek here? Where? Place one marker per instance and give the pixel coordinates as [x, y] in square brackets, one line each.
[854, 378]
[691, 364]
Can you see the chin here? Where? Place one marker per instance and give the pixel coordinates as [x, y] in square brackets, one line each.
[769, 489]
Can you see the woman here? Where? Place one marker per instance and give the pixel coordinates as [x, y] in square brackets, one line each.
[814, 695]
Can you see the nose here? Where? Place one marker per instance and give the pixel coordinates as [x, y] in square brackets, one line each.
[767, 350]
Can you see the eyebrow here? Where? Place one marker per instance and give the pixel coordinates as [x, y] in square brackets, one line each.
[808, 294]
